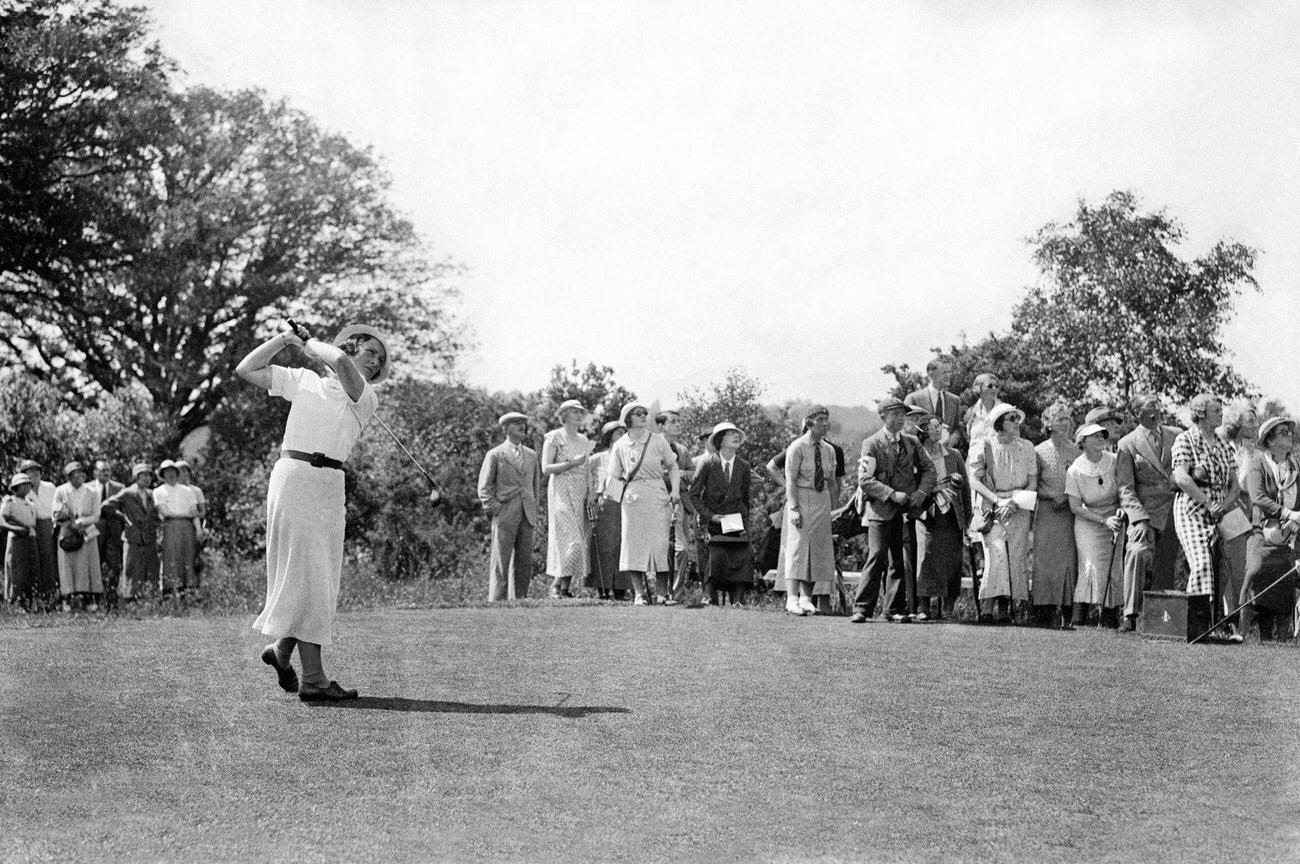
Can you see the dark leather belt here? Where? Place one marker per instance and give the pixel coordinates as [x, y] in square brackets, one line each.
[315, 460]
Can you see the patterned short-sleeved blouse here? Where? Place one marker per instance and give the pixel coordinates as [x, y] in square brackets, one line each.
[1192, 450]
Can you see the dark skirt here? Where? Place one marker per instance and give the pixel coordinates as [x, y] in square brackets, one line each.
[47, 553]
[939, 554]
[1265, 563]
[140, 567]
[604, 573]
[22, 569]
[730, 564]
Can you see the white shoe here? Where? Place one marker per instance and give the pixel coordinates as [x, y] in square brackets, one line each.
[93, 607]
[792, 608]
[806, 604]
[920, 616]
[640, 601]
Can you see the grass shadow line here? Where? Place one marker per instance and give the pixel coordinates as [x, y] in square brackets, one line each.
[439, 706]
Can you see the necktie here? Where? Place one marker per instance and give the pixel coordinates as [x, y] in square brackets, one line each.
[819, 474]
[726, 472]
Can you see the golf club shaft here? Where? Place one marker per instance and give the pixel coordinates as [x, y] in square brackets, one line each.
[1221, 621]
[414, 461]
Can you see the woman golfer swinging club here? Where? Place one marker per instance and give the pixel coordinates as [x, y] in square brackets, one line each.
[304, 501]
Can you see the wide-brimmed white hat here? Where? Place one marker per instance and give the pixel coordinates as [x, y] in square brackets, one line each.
[1090, 429]
[18, 480]
[628, 409]
[1266, 428]
[569, 405]
[366, 330]
[715, 437]
[1001, 410]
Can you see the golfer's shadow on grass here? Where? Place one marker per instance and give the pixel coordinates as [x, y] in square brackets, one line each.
[437, 706]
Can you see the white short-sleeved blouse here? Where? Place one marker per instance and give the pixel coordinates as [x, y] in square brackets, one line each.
[323, 419]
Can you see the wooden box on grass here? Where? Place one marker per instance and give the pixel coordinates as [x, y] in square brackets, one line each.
[1174, 615]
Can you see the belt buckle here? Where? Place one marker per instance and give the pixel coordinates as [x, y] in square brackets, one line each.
[319, 460]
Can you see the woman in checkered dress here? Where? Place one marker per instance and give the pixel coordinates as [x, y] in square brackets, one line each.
[1206, 477]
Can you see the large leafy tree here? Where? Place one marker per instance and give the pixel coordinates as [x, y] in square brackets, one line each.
[594, 386]
[254, 213]
[148, 237]
[1118, 312]
[81, 89]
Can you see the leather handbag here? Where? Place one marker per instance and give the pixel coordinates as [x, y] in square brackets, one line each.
[71, 541]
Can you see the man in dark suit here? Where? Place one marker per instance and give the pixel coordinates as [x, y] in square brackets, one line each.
[937, 400]
[135, 506]
[720, 488]
[895, 477]
[509, 485]
[1144, 471]
[110, 531]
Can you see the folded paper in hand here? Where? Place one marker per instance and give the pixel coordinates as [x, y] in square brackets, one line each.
[1026, 499]
[733, 523]
[90, 533]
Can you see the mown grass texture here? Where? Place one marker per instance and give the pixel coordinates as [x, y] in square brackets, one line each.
[592, 732]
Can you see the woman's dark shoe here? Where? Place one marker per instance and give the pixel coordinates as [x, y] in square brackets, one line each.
[284, 674]
[332, 693]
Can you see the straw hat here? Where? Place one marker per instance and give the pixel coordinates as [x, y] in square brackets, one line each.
[73, 466]
[569, 405]
[18, 480]
[1268, 426]
[510, 417]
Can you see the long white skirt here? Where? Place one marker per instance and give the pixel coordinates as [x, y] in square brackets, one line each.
[304, 551]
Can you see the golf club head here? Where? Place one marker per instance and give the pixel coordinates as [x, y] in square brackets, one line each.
[435, 497]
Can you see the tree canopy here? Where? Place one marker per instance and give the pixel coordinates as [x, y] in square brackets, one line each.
[204, 215]
[1118, 312]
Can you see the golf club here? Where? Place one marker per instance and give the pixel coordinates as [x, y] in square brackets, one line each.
[437, 495]
[1224, 619]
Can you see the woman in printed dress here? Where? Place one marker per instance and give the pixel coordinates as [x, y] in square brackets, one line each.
[1001, 464]
[1093, 490]
[564, 461]
[1205, 475]
[1054, 552]
[76, 510]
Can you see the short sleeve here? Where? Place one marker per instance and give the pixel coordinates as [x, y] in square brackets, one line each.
[1182, 454]
[365, 407]
[1072, 483]
[159, 495]
[779, 461]
[285, 382]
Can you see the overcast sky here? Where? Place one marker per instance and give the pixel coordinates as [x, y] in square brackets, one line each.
[799, 189]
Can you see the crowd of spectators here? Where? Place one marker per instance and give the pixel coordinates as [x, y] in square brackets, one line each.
[94, 542]
[1070, 532]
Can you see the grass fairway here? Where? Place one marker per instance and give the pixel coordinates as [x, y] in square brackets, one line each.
[601, 732]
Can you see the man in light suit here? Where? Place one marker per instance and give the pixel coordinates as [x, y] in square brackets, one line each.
[1144, 471]
[509, 485]
[937, 400]
[895, 477]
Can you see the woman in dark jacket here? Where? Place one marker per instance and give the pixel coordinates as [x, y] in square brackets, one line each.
[1273, 481]
[720, 489]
